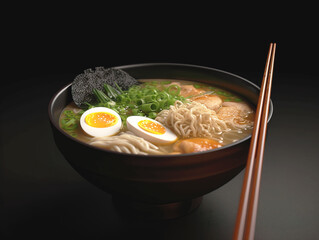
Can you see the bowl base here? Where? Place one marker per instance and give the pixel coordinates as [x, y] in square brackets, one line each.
[150, 211]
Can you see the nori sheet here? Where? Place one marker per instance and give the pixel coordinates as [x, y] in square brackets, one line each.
[84, 83]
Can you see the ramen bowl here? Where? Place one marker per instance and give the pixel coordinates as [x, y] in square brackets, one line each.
[157, 186]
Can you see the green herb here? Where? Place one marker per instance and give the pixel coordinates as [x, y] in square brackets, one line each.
[111, 92]
[118, 87]
[237, 100]
[70, 121]
[152, 115]
[150, 107]
[102, 98]
[139, 100]
[197, 85]
[173, 90]
[165, 82]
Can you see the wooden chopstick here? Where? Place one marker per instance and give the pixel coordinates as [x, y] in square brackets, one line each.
[247, 210]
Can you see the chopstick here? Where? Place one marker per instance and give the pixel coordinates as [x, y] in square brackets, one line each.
[247, 210]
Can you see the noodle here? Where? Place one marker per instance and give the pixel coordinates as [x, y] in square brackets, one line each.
[126, 142]
[194, 119]
[209, 113]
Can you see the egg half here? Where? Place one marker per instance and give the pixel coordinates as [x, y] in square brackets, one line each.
[100, 122]
[151, 130]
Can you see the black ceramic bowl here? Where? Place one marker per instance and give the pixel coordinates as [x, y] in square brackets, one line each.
[164, 186]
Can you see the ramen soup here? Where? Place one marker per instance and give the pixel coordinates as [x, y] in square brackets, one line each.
[160, 116]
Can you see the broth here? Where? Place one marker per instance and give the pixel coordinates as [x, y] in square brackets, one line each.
[203, 118]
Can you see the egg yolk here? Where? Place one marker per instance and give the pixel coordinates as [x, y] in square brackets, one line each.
[101, 119]
[151, 127]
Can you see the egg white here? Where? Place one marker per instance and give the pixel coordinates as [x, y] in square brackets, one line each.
[166, 138]
[100, 132]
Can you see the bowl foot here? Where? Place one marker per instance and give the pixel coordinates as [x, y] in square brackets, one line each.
[142, 210]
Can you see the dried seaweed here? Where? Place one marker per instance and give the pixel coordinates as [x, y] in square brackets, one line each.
[84, 83]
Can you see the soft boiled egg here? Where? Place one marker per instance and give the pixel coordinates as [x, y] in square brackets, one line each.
[150, 130]
[100, 122]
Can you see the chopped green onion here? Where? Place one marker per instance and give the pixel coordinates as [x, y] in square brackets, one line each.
[174, 89]
[132, 106]
[69, 113]
[118, 87]
[135, 111]
[152, 115]
[163, 104]
[151, 91]
[223, 93]
[101, 96]
[73, 134]
[89, 105]
[149, 107]
[69, 124]
[150, 98]
[123, 99]
[162, 96]
[140, 102]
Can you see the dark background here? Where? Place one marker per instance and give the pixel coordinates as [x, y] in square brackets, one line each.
[44, 198]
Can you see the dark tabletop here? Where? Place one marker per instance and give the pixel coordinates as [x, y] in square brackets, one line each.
[43, 197]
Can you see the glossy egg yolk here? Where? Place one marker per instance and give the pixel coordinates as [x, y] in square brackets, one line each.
[101, 119]
[151, 127]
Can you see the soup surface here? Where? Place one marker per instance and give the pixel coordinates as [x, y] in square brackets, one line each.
[161, 116]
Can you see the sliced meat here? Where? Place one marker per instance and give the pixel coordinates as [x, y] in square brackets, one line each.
[212, 102]
[189, 90]
[195, 145]
[238, 113]
[244, 108]
[228, 113]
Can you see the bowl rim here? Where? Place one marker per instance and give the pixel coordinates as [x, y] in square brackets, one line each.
[123, 67]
